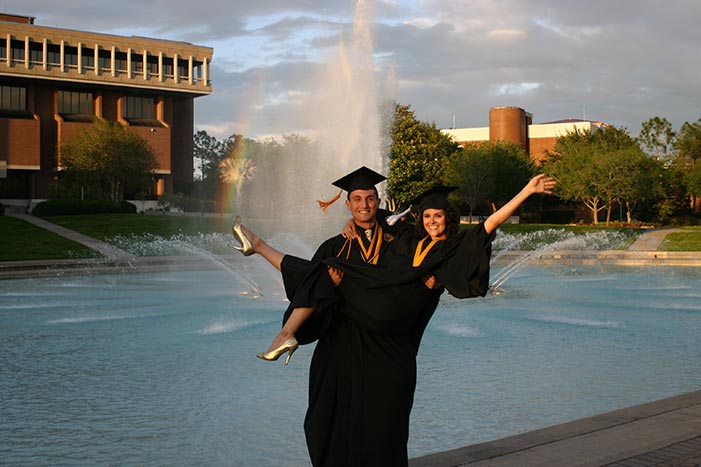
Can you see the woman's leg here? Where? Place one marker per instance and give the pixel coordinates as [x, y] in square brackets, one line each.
[272, 255]
[284, 340]
[292, 325]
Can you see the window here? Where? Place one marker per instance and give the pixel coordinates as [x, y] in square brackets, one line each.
[139, 108]
[152, 64]
[54, 58]
[168, 67]
[17, 51]
[3, 50]
[88, 59]
[36, 56]
[75, 103]
[13, 98]
[53, 55]
[120, 62]
[104, 60]
[70, 57]
[183, 70]
[36, 53]
[137, 63]
[105, 64]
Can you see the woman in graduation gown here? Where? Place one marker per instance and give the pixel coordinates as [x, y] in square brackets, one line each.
[363, 371]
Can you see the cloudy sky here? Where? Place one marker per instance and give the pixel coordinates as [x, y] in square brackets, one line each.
[618, 61]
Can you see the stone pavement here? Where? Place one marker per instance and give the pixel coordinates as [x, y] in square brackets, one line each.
[664, 433]
[651, 240]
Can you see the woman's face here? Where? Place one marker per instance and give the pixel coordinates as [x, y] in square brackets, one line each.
[434, 222]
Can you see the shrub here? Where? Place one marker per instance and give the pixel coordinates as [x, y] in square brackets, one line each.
[682, 220]
[557, 217]
[67, 207]
[127, 207]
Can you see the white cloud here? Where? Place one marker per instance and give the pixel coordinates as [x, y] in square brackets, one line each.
[623, 61]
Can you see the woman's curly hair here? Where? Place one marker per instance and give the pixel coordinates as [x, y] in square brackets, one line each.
[452, 223]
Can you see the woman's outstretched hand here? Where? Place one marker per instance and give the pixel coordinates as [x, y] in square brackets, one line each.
[542, 184]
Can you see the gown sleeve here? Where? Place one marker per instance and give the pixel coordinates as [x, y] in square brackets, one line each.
[464, 266]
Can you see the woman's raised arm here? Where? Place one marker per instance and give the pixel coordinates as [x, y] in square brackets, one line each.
[538, 184]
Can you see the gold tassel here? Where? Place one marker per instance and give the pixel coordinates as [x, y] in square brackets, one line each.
[324, 205]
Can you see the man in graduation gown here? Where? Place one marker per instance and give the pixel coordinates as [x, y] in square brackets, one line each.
[331, 423]
[362, 201]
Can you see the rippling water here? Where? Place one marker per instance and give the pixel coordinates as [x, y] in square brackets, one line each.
[160, 369]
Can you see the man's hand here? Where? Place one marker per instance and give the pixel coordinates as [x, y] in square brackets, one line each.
[336, 275]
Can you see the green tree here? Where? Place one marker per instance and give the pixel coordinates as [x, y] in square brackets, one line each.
[634, 177]
[688, 142]
[208, 152]
[417, 155]
[657, 138]
[488, 173]
[601, 168]
[471, 172]
[512, 169]
[574, 164]
[688, 147]
[692, 181]
[108, 159]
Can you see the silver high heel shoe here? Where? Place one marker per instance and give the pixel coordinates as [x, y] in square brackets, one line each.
[290, 345]
[246, 247]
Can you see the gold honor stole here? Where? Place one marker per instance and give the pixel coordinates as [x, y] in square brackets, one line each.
[371, 254]
[419, 254]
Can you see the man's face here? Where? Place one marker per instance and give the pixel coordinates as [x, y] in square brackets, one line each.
[362, 205]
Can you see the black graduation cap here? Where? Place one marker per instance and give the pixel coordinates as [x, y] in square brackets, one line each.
[360, 179]
[433, 198]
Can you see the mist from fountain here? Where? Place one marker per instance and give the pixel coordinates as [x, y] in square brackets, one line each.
[538, 242]
[343, 121]
[209, 247]
[213, 248]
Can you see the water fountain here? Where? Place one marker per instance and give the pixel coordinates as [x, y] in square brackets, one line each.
[533, 245]
[159, 368]
[342, 117]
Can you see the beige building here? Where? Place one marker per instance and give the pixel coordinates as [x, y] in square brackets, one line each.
[55, 82]
[515, 125]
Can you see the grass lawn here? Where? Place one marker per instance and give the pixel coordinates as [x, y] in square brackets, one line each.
[23, 241]
[689, 240]
[104, 226]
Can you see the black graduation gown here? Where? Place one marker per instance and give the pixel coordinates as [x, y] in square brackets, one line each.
[319, 292]
[363, 371]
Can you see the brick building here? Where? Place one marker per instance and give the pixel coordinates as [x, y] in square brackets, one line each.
[55, 82]
[515, 125]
